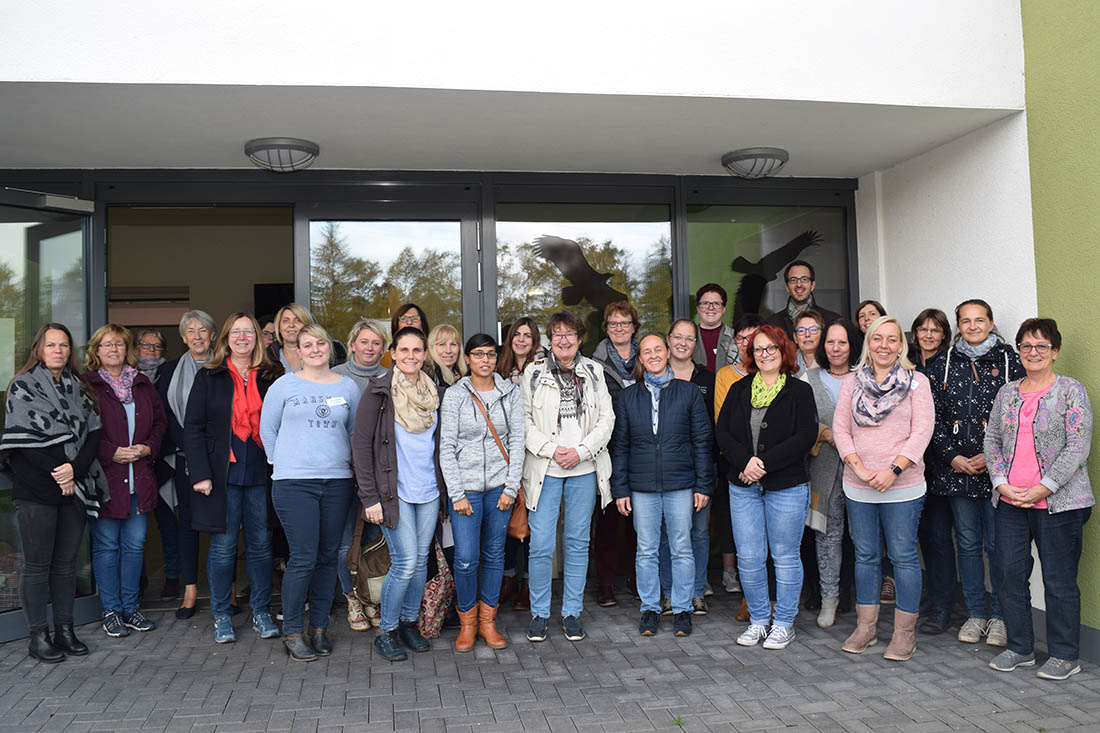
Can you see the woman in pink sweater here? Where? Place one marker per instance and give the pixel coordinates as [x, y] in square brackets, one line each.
[883, 422]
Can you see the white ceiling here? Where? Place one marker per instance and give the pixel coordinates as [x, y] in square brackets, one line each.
[65, 125]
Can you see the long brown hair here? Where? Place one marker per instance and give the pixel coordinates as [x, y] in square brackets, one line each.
[35, 355]
[259, 358]
[507, 360]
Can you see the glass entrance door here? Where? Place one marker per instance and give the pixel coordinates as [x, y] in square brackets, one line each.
[43, 240]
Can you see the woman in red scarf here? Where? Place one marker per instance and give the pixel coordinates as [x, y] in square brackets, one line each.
[229, 470]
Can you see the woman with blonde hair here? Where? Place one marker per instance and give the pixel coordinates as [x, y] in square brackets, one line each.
[289, 322]
[366, 345]
[444, 348]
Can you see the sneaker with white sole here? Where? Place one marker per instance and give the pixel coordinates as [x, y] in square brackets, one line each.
[779, 637]
[707, 590]
[996, 634]
[1009, 660]
[699, 606]
[666, 606]
[973, 630]
[357, 619]
[889, 594]
[729, 581]
[753, 635]
[1058, 669]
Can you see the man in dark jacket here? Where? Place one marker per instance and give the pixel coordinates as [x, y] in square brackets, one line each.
[799, 279]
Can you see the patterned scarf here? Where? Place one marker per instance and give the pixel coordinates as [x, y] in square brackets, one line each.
[794, 310]
[570, 388]
[123, 387]
[246, 406]
[973, 352]
[762, 395]
[414, 403]
[624, 369]
[871, 401]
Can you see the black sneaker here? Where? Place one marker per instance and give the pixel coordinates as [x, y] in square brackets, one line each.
[651, 620]
[411, 637]
[112, 624]
[538, 629]
[682, 624]
[387, 646]
[138, 622]
[571, 625]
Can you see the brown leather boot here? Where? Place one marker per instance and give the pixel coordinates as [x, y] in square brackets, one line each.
[866, 628]
[522, 601]
[467, 633]
[742, 611]
[488, 630]
[903, 643]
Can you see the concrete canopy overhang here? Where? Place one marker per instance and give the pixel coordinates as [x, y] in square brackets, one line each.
[90, 126]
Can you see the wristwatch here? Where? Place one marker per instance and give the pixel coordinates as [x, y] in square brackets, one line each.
[896, 469]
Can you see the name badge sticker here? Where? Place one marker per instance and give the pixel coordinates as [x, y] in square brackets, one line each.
[335, 401]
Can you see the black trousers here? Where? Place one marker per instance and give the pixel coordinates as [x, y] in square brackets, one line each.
[51, 536]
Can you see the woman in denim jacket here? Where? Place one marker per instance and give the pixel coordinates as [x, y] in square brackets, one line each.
[1037, 446]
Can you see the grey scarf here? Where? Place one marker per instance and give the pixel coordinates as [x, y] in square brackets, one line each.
[973, 352]
[794, 310]
[179, 389]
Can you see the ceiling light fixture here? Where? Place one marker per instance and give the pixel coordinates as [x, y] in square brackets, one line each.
[282, 154]
[755, 162]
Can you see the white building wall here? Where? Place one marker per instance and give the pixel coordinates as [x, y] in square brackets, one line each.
[937, 53]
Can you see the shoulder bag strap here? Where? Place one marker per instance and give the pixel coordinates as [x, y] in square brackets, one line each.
[492, 428]
[352, 559]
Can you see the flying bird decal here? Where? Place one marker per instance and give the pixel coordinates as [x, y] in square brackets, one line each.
[586, 283]
[771, 264]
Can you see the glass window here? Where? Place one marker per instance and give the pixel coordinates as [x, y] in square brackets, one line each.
[581, 257]
[746, 248]
[366, 269]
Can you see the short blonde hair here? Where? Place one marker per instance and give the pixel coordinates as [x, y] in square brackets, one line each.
[903, 357]
[303, 315]
[367, 324]
[437, 334]
[91, 353]
[317, 331]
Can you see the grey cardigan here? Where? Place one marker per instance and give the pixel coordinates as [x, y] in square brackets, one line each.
[468, 455]
[826, 470]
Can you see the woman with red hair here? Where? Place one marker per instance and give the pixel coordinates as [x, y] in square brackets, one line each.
[766, 428]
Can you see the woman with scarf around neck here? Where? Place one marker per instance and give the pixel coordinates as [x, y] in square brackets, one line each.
[396, 452]
[305, 427]
[663, 474]
[174, 386]
[569, 421]
[366, 345]
[229, 472]
[882, 425]
[49, 445]
[964, 384]
[133, 430]
[150, 353]
[480, 455]
[767, 426]
[614, 537]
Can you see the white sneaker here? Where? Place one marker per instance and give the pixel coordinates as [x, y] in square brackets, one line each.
[752, 635]
[972, 631]
[729, 581]
[996, 634]
[779, 637]
[707, 590]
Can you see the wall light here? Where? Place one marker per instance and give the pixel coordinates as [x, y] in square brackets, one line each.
[755, 162]
[282, 154]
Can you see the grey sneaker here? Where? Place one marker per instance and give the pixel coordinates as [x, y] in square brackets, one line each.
[707, 590]
[699, 606]
[573, 629]
[972, 631]
[729, 581]
[779, 637]
[1009, 660]
[752, 635]
[996, 634]
[113, 625]
[537, 630]
[1058, 669]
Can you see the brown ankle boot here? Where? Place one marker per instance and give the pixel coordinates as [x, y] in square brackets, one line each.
[742, 611]
[467, 633]
[522, 601]
[866, 628]
[903, 643]
[488, 630]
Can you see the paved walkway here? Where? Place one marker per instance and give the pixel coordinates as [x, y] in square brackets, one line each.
[176, 679]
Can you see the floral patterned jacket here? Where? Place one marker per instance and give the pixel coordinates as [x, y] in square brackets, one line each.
[1063, 435]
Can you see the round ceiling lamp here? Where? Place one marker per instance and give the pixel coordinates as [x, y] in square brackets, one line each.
[755, 162]
[281, 154]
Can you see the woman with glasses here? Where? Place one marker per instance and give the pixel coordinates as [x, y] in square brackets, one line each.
[767, 426]
[133, 430]
[809, 327]
[408, 315]
[229, 471]
[480, 455]
[882, 425]
[615, 538]
[569, 421]
[715, 348]
[150, 353]
[1037, 446]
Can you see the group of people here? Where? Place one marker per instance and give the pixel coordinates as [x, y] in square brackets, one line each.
[793, 426]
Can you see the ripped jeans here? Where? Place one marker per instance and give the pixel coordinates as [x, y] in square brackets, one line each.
[479, 545]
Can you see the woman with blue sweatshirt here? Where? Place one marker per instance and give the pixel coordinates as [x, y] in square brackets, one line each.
[306, 427]
[481, 429]
[662, 472]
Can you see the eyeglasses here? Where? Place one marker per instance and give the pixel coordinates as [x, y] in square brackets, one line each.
[619, 325]
[769, 349]
[269, 334]
[150, 345]
[796, 280]
[113, 346]
[408, 319]
[486, 354]
[741, 339]
[681, 339]
[807, 330]
[929, 331]
[711, 304]
[239, 332]
[1040, 349]
[564, 338]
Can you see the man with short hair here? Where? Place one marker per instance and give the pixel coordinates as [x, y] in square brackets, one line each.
[798, 277]
[716, 346]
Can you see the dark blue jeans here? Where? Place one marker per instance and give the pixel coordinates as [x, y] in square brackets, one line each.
[938, 547]
[312, 512]
[118, 553]
[246, 509]
[974, 532]
[479, 545]
[1058, 540]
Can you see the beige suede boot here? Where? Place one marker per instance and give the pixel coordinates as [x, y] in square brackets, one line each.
[866, 628]
[903, 643]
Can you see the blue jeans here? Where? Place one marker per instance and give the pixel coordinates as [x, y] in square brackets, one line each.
[664, 516]
[700, 550]
[312, 512]
[973, 531]
[578, 493]
[408, 542]
[245, 509]
[1058, 538]
[370, 534]
[118, 553]
[938, 547]
[763, 522]
[898, 521]
[479, 545]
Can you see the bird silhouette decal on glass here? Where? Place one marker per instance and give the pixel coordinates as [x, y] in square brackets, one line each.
[750, 291]
[585, 282]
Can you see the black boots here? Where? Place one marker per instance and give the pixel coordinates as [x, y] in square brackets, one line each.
[65, 640]
[320, 642]
[299, 648]
[42, 649]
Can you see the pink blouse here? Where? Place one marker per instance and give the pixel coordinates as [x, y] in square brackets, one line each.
[1025, 471]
